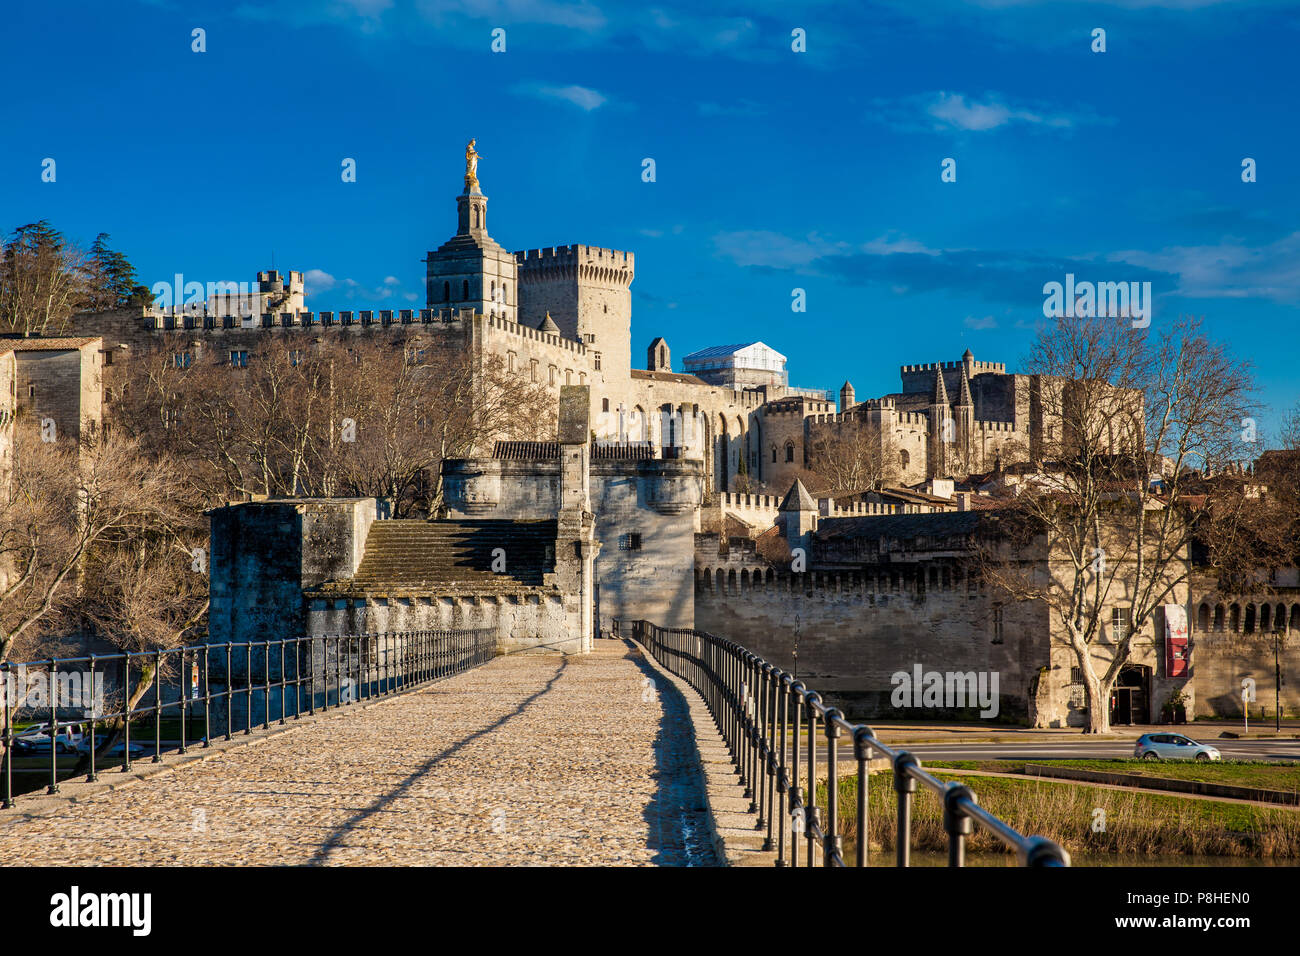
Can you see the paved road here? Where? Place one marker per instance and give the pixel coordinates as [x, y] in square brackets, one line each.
[1058, 749]
[531, 759]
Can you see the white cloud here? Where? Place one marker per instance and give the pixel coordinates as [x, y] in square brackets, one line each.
[762, 247]
[318, 280]
[984, 322]
[952, 109]
[582, 97]
[1229, 270]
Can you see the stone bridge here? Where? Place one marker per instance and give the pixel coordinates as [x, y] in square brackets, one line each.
[531, 759]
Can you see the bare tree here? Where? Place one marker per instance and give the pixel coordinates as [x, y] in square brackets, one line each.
[63, 503]
[850, 457]
[1108, 524]
[329, 415]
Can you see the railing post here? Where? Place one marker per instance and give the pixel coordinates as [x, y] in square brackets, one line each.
[230, 693]
[956, 824]
[54, 727]
[862, 751]
[207, 696]
[126, 711]
[782, 797]
[91, 775]
[157, 706]
[248, 686]
[282, 685]
[831, 847]
[813, 821]
[184, 691]
[904, 786]
[796, 702]
[8, 801]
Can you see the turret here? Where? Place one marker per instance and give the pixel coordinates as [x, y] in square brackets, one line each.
[798, 517]
[846, 397]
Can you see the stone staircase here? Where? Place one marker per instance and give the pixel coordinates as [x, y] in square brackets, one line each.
[413, 554]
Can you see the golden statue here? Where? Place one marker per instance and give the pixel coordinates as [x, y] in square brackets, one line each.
[471, 164]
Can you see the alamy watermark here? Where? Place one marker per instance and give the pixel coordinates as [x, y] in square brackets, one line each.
[953, 689]
[80, 689]
[1117, 300]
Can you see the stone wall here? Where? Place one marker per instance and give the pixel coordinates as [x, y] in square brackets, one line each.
[846, 634]
[529, 620]
[63, 384]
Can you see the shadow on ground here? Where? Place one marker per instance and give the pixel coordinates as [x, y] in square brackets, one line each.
[337, 837]
[677, 815]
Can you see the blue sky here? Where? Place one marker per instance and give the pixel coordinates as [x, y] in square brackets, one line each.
[775, 170]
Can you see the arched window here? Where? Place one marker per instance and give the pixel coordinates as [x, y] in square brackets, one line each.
[464, 289]
[1295, 617]
[1234, 618]
[1203, 618]
[1265, 617]
[505, 293]
[1218, 617]
[1250, 619]
[789, 451]
[904, 458]
[774, 454]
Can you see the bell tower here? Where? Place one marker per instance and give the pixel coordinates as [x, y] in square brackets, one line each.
[471, 270]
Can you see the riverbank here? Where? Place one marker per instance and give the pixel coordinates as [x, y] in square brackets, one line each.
[1086, 820]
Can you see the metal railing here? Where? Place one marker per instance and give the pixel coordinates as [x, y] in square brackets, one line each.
[762, 713]
[240, 683]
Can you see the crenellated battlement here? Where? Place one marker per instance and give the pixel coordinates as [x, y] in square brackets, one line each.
[197, 318]
[588, 262]
[1008, 427]
[977, 368]
[800, 405]
[523, 331]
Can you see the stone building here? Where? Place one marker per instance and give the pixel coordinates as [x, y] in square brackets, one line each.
[562, 315]
[282, 568]
[59, 383]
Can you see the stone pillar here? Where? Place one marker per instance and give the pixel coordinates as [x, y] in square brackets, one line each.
[575, 542]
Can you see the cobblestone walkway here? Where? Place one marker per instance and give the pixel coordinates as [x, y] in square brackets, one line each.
[531, 759]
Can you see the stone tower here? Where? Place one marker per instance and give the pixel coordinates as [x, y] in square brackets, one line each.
[964, 412]
[658, 358]
[470, 270]
[942, 433]
[588, 292]
[798, 516]
[846, 397]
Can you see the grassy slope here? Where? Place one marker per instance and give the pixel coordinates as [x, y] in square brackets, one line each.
[1268, 776]
[1135, 823]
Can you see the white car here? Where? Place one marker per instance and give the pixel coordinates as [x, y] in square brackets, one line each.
[37, 737]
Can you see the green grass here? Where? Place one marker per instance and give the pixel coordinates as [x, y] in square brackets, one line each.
[1241, 773]
[1135, 822]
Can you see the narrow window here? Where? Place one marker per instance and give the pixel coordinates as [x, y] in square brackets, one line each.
[1120, 618]
[997, 624]
[630, 541]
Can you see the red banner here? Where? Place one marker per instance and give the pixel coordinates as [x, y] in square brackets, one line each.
[1176, 652]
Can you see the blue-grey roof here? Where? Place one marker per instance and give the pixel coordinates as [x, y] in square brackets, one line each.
[716, 351]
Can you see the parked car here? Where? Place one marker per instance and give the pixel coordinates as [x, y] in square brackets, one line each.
[36, 739]
[117, 750]
[1172, 747]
